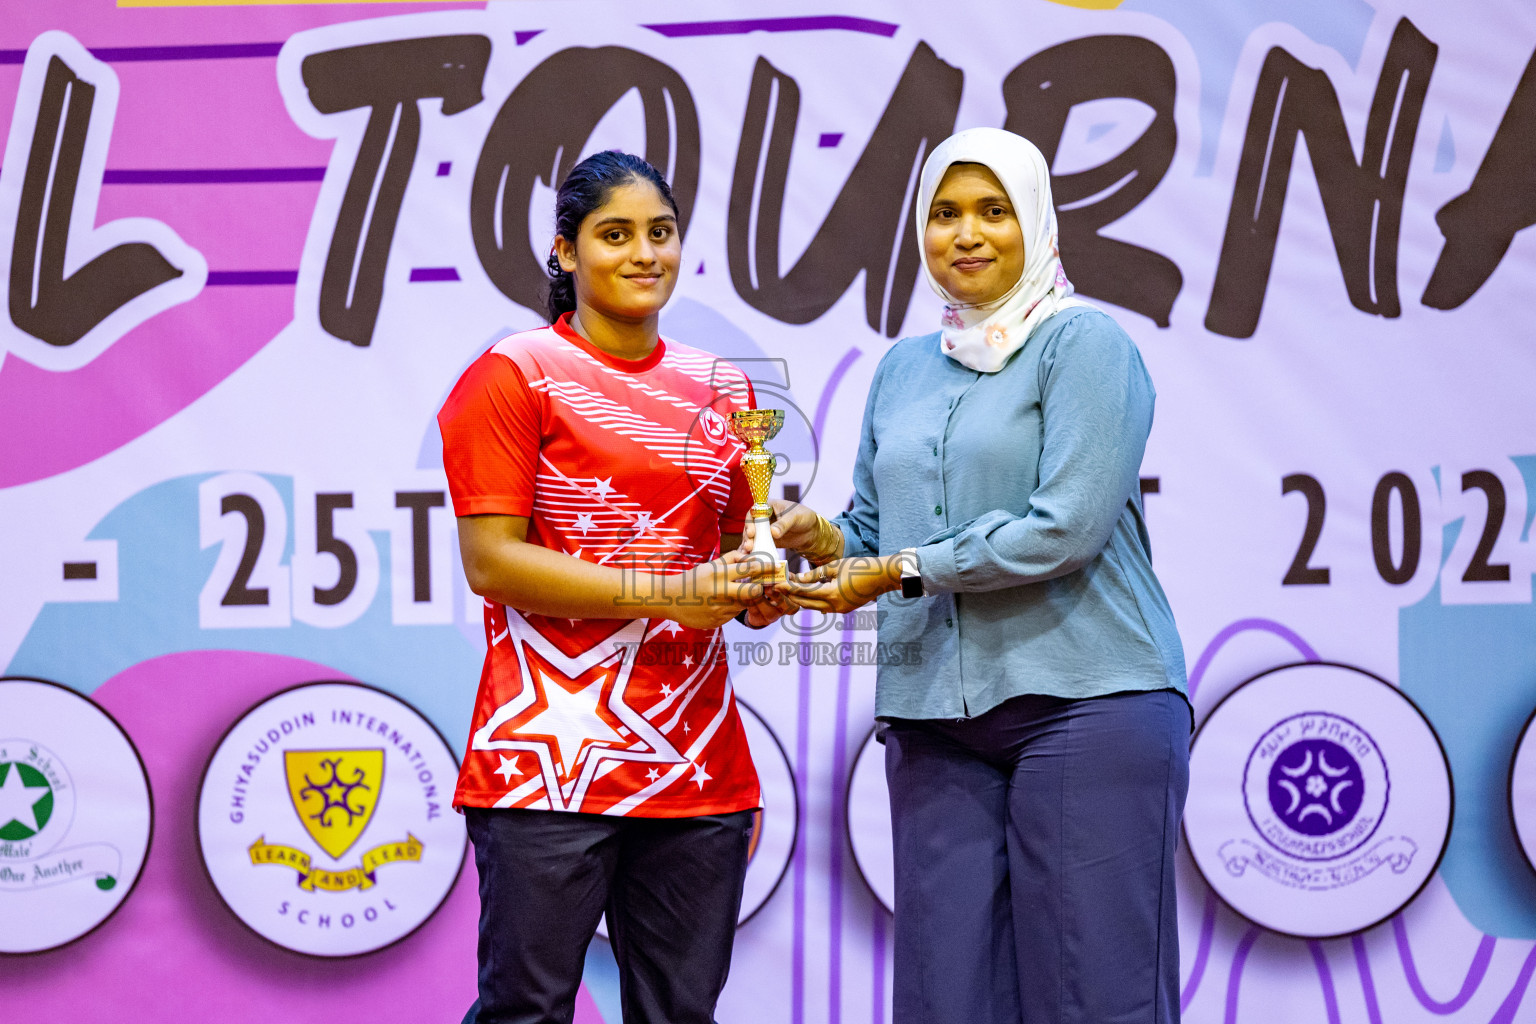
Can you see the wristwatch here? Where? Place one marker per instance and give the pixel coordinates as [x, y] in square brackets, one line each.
[911, 582]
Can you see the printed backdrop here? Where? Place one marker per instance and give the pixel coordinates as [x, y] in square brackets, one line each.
[248, 247]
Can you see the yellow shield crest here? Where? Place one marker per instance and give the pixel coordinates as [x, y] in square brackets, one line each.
[334, 793]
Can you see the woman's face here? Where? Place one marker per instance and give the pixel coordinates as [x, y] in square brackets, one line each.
[973, 242]
[625, 255]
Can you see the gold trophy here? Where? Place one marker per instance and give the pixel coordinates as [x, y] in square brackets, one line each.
[754, 427]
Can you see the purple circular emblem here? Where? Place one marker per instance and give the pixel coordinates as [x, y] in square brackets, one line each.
[1316, 787]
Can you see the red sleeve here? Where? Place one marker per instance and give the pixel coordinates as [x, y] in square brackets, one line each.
[491, 426]
[739, 508]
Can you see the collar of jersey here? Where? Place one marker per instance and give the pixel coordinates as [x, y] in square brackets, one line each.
[563, 328]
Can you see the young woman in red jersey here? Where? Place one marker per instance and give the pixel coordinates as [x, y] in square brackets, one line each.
[597, 485]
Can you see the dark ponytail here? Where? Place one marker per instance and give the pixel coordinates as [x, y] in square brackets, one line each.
[585, 189]
[562, 289]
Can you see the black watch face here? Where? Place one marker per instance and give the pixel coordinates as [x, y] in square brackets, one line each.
[911, 586]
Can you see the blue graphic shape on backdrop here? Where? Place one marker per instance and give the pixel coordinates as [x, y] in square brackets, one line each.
[1445, 152]
[161, 571]
[1217, 34]
[1472, 669]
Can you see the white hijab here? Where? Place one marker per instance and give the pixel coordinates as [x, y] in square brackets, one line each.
[983, 336]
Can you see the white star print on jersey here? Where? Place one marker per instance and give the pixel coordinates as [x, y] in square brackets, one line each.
[572, 719]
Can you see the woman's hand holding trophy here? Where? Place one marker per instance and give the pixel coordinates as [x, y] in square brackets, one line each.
[833, 584]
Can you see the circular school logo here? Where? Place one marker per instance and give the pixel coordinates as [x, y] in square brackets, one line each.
[75, 815]
[1319, 800]
[1522, 791]
[325, 819]
[32, 787]
[1315, 786]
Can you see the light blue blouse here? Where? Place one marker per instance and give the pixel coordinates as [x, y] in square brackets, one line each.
[1020, 491]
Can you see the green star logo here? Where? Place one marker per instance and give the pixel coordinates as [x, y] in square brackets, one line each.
[26, 801]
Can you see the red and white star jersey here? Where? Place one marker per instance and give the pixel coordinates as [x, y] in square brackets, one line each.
[623, 463]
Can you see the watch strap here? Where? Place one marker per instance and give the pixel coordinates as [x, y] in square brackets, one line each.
[911, 579]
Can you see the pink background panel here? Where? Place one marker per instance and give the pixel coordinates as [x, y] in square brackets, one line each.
[174, 114]
[207, 113]
[151, 374]
[173, 951]
[255, 226]
[181, 26]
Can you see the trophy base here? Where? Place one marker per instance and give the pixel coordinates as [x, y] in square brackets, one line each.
[777, 574]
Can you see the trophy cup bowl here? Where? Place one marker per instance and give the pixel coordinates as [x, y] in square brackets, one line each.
[756, 427]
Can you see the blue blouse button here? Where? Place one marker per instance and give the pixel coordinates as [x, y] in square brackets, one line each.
[938, 510]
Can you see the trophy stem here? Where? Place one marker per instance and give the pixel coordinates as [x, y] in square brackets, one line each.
[762, 549]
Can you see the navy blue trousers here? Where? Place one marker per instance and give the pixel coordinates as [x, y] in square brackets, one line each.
[671, 888]
[1034, 851]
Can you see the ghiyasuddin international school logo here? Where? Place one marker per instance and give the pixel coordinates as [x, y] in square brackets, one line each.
[335, 793]
[1320, 800]
[325, 820]
[75, 816]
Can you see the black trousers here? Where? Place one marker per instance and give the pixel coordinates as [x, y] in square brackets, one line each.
[671, 888]
[1034, 853]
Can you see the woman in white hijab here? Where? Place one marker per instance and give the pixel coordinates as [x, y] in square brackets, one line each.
[1037, 743]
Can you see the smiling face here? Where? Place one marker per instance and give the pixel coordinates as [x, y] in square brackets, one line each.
[625, 255]
[973, 243]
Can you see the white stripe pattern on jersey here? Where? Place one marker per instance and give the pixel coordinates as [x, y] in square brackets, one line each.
[563, 503]
[675, 446]
[711, 371]
[629, 380]
[652, 534]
